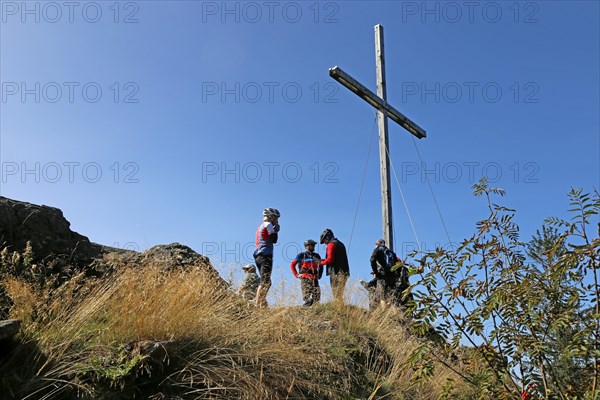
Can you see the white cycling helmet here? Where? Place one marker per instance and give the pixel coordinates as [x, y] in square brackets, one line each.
[268, 212]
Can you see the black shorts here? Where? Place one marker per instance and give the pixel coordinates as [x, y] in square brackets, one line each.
[264, 263]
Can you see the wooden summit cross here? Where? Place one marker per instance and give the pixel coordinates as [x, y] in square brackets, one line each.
[386, 111]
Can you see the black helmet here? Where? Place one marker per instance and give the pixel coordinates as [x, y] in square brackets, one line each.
[309, 242]
[326, 235]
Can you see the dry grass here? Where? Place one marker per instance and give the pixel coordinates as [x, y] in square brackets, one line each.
[85, 342]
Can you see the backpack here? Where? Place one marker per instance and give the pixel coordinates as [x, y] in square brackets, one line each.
[390, 261]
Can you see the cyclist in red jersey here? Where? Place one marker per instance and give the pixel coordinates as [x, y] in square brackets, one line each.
[309, 273]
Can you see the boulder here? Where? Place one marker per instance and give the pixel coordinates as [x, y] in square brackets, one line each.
[164, 256]
[9, 328]
[65, 253]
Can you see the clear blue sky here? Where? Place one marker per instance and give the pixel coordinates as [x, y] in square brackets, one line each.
[151, 122]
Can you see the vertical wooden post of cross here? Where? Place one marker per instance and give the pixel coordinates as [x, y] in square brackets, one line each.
[385, 111]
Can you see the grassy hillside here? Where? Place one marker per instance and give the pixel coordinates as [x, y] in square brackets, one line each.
[164, 325]
[151, 333]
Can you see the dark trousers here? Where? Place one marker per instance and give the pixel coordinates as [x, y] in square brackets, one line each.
[311, 292]
[264, 263]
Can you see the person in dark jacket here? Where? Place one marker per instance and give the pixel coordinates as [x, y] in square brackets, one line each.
[336, 262]
[309, 273]
[382, 260]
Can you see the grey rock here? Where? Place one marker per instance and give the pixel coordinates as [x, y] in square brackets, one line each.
[9, 328]
[59, 253]
[164, 256]
[46, 229]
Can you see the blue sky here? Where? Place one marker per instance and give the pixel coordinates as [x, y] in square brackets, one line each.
[153, 122]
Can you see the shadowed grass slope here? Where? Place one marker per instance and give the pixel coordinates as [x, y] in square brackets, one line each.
[151, 333]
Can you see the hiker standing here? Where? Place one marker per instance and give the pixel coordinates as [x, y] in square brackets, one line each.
[250, 283]
[337, 265]
[382, 260]
[266, 237]
[309, 273]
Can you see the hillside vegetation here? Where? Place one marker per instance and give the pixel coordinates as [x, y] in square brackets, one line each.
[155, 334]
[513, 320]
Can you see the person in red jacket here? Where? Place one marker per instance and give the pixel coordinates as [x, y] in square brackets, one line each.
[309, 274]
[337, 264]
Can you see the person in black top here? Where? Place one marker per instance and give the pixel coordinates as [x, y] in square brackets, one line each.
[336, 261]
[382, 260]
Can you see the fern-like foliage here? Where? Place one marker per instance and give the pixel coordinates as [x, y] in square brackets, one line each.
[530, 308]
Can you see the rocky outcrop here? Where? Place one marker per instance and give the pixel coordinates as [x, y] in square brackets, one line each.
[51, 238]
[58, 253]
[46, 229]
[164, 256]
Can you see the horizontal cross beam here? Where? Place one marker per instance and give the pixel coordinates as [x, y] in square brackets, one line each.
[376, 101]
